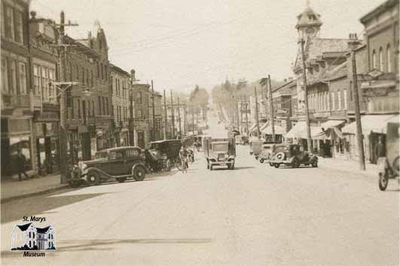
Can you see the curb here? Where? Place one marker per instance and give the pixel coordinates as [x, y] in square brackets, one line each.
[4, 200]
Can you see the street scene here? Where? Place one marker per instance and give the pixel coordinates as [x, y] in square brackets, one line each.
[139, 134]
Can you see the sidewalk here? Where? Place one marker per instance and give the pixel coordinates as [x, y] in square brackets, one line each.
[350, 166]
[14, 189]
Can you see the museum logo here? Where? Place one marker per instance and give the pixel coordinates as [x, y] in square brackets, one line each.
[32, 240]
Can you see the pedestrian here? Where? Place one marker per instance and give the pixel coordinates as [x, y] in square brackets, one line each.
[21, 161]
[380, 149]
[183, 154]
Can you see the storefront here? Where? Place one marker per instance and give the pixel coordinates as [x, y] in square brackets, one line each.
[15, 136]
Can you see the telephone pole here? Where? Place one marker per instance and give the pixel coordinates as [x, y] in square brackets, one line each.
[63, 87]
[257, 123]
[247, 118]
[153, 135]
[309, 141]
[172, 116]
[165, 116]
[271, 108]
[354, 42]
[179, 119]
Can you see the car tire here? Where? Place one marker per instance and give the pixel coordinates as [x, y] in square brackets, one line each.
[211, 167]
[93, 178]
[314, 164]
[121, 179]
[139, 172]
[295, 163]
[261, 160]
[383, 181]
[276, 165]
[280, 156]
[232, 166]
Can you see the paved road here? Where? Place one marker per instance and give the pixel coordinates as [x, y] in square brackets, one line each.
[253, 215]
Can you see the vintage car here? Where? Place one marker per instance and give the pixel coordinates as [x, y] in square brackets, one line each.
[115, 163]
[389, 165]
[170, 148]
[292, 155]
[266, 152]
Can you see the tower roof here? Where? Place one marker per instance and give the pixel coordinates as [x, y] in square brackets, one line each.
[308, 18]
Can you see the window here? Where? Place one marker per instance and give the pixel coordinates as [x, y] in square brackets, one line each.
[132, 153]
[332, 102]
[139, 98]
[2, 20]
[373, 63]
[344, 99]
[116, 155]
[22, 78]
[93, 108]
[381, 63]
[79, 108]
[139, 114]
[351, 91]
[4, 75]
[13, 77]
[52, 78]
[339, 95]
[18, 27]
[388, 59]
[36, 80]
[100, 109]
[9, 23]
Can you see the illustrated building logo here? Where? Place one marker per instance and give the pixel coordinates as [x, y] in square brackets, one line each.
[29, 237]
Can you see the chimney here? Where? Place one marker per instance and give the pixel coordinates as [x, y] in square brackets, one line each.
[353, 41]
[133, 76]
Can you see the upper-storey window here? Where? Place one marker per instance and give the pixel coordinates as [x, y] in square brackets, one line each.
[18, 26]
[9, 23]
[381, 61]
[388, 58]
[373, 62]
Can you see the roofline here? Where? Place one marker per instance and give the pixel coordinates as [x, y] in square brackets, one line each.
[280, 87]
[378, 10]
[117, 68]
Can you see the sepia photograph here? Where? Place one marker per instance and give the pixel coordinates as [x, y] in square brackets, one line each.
[214, 132]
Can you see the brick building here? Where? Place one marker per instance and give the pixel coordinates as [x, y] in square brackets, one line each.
[16, 110]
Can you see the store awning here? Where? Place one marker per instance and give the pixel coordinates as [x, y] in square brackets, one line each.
[263, 126]
[253, 127]
[300, 131]
[278, 130]
[371, 123]
[332, 123]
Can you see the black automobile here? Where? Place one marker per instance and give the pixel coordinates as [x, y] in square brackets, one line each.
[292, 155]
[170, 148]
[118, 163]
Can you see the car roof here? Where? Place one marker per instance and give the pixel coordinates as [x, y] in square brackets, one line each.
[120, 148]
[167, 140]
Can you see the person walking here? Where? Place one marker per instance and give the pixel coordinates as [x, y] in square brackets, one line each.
[183, 154]
[21, 161]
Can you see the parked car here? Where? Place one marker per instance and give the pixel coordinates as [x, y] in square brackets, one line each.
[293, 155]
[115, 163]
[389, 165]
[169, 147]
[266, 152]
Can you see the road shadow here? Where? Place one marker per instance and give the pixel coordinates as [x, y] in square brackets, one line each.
[236, 168]
[106, 244]
[16, 209]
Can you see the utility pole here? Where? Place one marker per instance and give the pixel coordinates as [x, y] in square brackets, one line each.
[192, 119]
[153, 135]
[172, 116]
[247, 118]
[179, 119]
[257, 123]
[354, 42]
[165, 116]
[309, 141]
[63, 86]
[131, 118]
[271, 108]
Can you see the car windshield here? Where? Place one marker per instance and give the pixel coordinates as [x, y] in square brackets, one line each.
[220, 147]
[281, 148]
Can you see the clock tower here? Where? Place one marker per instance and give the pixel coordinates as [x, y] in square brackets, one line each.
[308, 23]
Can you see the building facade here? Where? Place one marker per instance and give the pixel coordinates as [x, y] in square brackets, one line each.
[16, 110]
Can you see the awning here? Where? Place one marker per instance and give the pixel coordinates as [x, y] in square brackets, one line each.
[253, 127]
[278, 130]
[263, 126]
[300, 131]
[371, 123]
[331, 124]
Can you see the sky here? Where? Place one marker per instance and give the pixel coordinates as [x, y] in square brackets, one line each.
[181, 43]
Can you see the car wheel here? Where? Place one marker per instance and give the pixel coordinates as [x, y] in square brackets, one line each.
[93, 178]
[271, 164]
[383, 181]
[276, 165]
[121, 179]
[74, 183]
[280, 156]
[168, 165]
[211, 167]
[295, 163]
[139, 172]
[314, 164]
[261, 160]
[232, 166]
